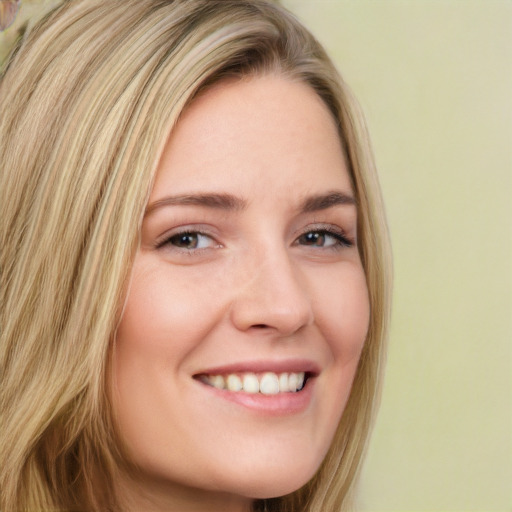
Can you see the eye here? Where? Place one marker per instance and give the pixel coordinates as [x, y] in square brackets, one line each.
[325, 239]
[188, 240]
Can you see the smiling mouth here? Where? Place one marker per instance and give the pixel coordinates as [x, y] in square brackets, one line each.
[265, 383]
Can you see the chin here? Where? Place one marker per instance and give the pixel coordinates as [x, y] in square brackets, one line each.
[273, 482]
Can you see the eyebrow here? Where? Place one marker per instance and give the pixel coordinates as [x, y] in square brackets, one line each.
[230, 202]
[215, 201]
[320, 202]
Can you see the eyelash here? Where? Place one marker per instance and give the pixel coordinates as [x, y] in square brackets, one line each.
[340, 237]
[167, 240]
[342, 240]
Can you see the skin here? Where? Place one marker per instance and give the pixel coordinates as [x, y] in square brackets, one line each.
[265, 280]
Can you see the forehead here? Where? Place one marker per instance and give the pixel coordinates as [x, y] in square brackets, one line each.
[240, 133]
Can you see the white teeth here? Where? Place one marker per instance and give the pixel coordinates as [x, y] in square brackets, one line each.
[293, 380]
[296, 381]
[234, 383]
[217, 381]
[300, 380]
[283, 382]
[268, 383]
[251, 383]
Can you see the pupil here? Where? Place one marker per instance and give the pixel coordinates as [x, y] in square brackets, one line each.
[314, 238]
[187, 240]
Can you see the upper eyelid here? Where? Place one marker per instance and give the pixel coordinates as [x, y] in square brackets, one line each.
[161, 240]
[323, 226]
[340, 237]
[205, 230]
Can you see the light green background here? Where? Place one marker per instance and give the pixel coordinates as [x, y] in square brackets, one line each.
[435, 80]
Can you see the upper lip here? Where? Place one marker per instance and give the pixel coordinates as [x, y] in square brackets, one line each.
[259, 366]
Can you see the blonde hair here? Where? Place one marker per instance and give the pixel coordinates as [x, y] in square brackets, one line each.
[86, 105]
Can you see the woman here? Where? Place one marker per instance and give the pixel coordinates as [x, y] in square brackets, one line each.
[194, 263]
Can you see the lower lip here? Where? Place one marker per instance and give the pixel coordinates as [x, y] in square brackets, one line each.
[278, 404]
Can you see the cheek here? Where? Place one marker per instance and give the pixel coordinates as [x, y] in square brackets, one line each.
[342, 315]
[164, 316]
[343, 311]
[144, 327]
[158, 331]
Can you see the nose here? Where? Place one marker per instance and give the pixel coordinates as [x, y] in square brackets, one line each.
[272, 295]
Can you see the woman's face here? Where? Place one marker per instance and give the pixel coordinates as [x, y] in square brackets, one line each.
[248, 278]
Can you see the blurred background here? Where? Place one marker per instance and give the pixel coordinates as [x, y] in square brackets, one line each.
[434, 78]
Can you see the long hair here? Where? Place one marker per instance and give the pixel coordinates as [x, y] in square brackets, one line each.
[87, 102]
